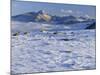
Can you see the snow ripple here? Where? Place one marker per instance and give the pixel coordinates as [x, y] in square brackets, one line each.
[45, 52]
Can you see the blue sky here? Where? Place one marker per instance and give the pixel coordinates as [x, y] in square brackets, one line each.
[20, 7]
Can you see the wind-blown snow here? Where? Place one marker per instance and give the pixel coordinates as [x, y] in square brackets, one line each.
[46, 51]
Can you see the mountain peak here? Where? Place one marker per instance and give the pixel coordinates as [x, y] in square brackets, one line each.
[42, 16]
[41, 12]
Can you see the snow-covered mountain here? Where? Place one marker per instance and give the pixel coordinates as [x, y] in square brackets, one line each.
[39, 16]
[42, 16]
[42, 21]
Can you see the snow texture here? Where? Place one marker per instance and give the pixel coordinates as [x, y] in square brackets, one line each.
[48, 51]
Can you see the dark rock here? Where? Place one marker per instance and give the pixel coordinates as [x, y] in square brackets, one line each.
[92, 26]
[15, 34]
[25, 33]
[65, 51]
[55, 33]
[65, 39]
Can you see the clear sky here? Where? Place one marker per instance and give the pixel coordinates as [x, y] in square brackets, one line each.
[20, 7]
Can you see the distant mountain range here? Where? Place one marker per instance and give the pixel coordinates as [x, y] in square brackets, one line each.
[42, 17]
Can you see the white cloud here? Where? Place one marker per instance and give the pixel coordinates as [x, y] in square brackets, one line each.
[66, 11]
[87, 16]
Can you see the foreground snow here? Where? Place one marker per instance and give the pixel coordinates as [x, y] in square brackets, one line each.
[46, 52]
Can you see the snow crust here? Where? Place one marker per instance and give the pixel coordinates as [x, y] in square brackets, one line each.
[46, 51]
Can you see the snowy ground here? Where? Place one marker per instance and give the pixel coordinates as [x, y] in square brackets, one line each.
[46, 52]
